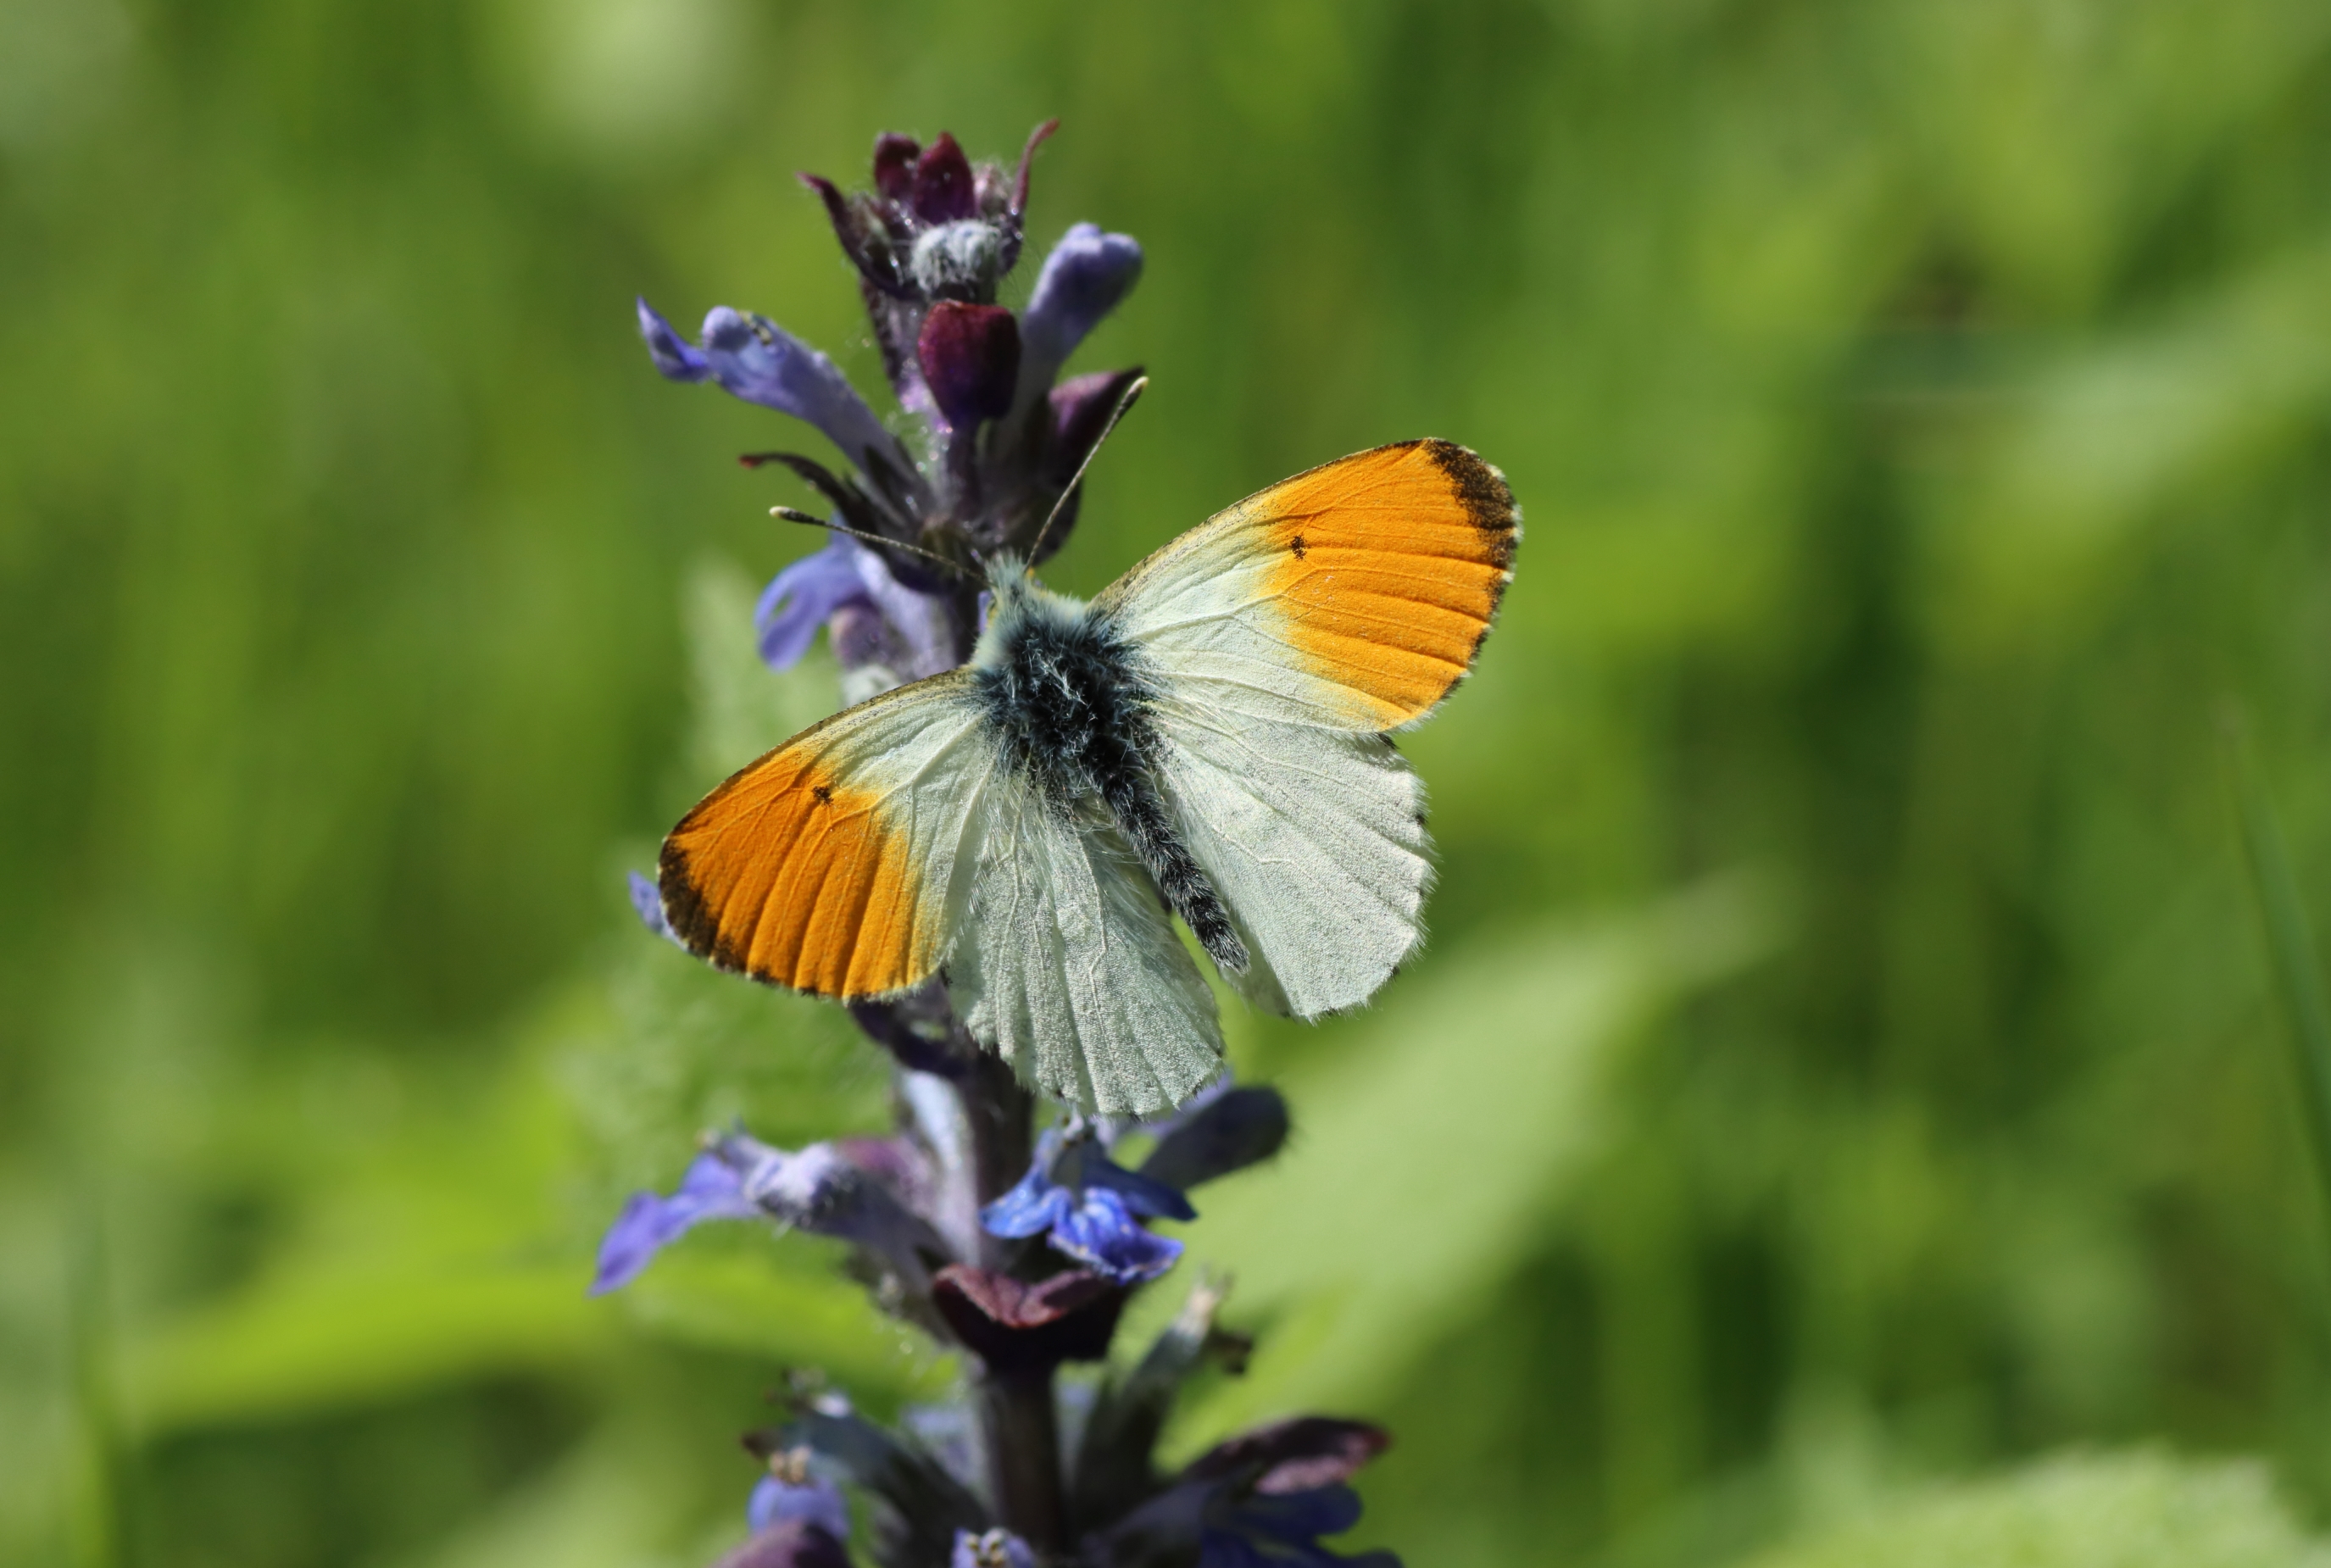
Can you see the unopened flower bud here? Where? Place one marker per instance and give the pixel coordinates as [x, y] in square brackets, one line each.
[970, 355]
[894, 165]
[942, 190]
[1230, 1132]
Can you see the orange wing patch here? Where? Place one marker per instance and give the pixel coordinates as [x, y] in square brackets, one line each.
[794, 878]
[1390, 564]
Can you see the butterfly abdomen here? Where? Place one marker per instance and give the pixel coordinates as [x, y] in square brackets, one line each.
[1072, 704]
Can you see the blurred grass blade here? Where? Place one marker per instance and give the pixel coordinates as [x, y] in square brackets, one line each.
[101, 1518]
[2291, 941]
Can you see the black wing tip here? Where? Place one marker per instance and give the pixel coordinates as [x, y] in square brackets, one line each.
[1481, 490]
[691, 919]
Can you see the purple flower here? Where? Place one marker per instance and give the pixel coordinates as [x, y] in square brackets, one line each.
[930, 242]
[1261, 1500]
[1101, 1230]
[676, 359]
[995, 1549]
[1085, 278]
[874, 619]
[647, 903]
[933, 226]
[803, 597]
[1224, 1130]
[711, 1190]
[790, 1492]
[919, 622]
[1092, 1209]
[918, 1507]
[1268, 1530]
[754, 358]
[816, 1190]
[789, 1543]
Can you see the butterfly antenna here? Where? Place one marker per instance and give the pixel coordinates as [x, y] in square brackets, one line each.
[792, 515]
[1140, 384]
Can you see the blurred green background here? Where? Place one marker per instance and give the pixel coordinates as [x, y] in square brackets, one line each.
[1847, 1061]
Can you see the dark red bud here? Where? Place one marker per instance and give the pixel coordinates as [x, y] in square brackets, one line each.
[970, 355]
[943, 190]
[894, 165]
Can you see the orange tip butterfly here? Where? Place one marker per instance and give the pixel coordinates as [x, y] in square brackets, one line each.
[1208, 738]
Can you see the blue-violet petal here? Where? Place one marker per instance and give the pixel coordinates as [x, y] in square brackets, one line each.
[802, 597]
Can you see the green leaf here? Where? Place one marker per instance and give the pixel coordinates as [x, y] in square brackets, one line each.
[2138, 1510]
[1422, 1160]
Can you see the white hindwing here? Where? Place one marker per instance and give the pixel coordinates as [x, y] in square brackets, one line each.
[1313, 838]
[1071, 968]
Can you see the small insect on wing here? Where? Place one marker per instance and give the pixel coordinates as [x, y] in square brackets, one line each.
[840, 863]
[1351, 597]
[1071, 968]
[1316, 841]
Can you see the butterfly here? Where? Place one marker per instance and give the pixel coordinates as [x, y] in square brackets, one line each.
[1208, 738]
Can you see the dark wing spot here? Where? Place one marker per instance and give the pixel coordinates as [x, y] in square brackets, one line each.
[824, 794]
[1297, 546]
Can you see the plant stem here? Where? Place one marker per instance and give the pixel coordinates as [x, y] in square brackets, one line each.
[1000, 1115]
[1023, 1454]
[1016, 1414]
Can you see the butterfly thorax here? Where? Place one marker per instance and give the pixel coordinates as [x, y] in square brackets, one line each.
[1071, 700]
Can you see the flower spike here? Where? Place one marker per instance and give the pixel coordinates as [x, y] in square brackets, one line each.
[983, 456]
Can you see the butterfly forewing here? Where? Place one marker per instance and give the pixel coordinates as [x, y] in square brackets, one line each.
[832, 864]
[1350, 597]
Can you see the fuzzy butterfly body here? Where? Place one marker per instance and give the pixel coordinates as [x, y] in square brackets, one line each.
[1206, 739]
